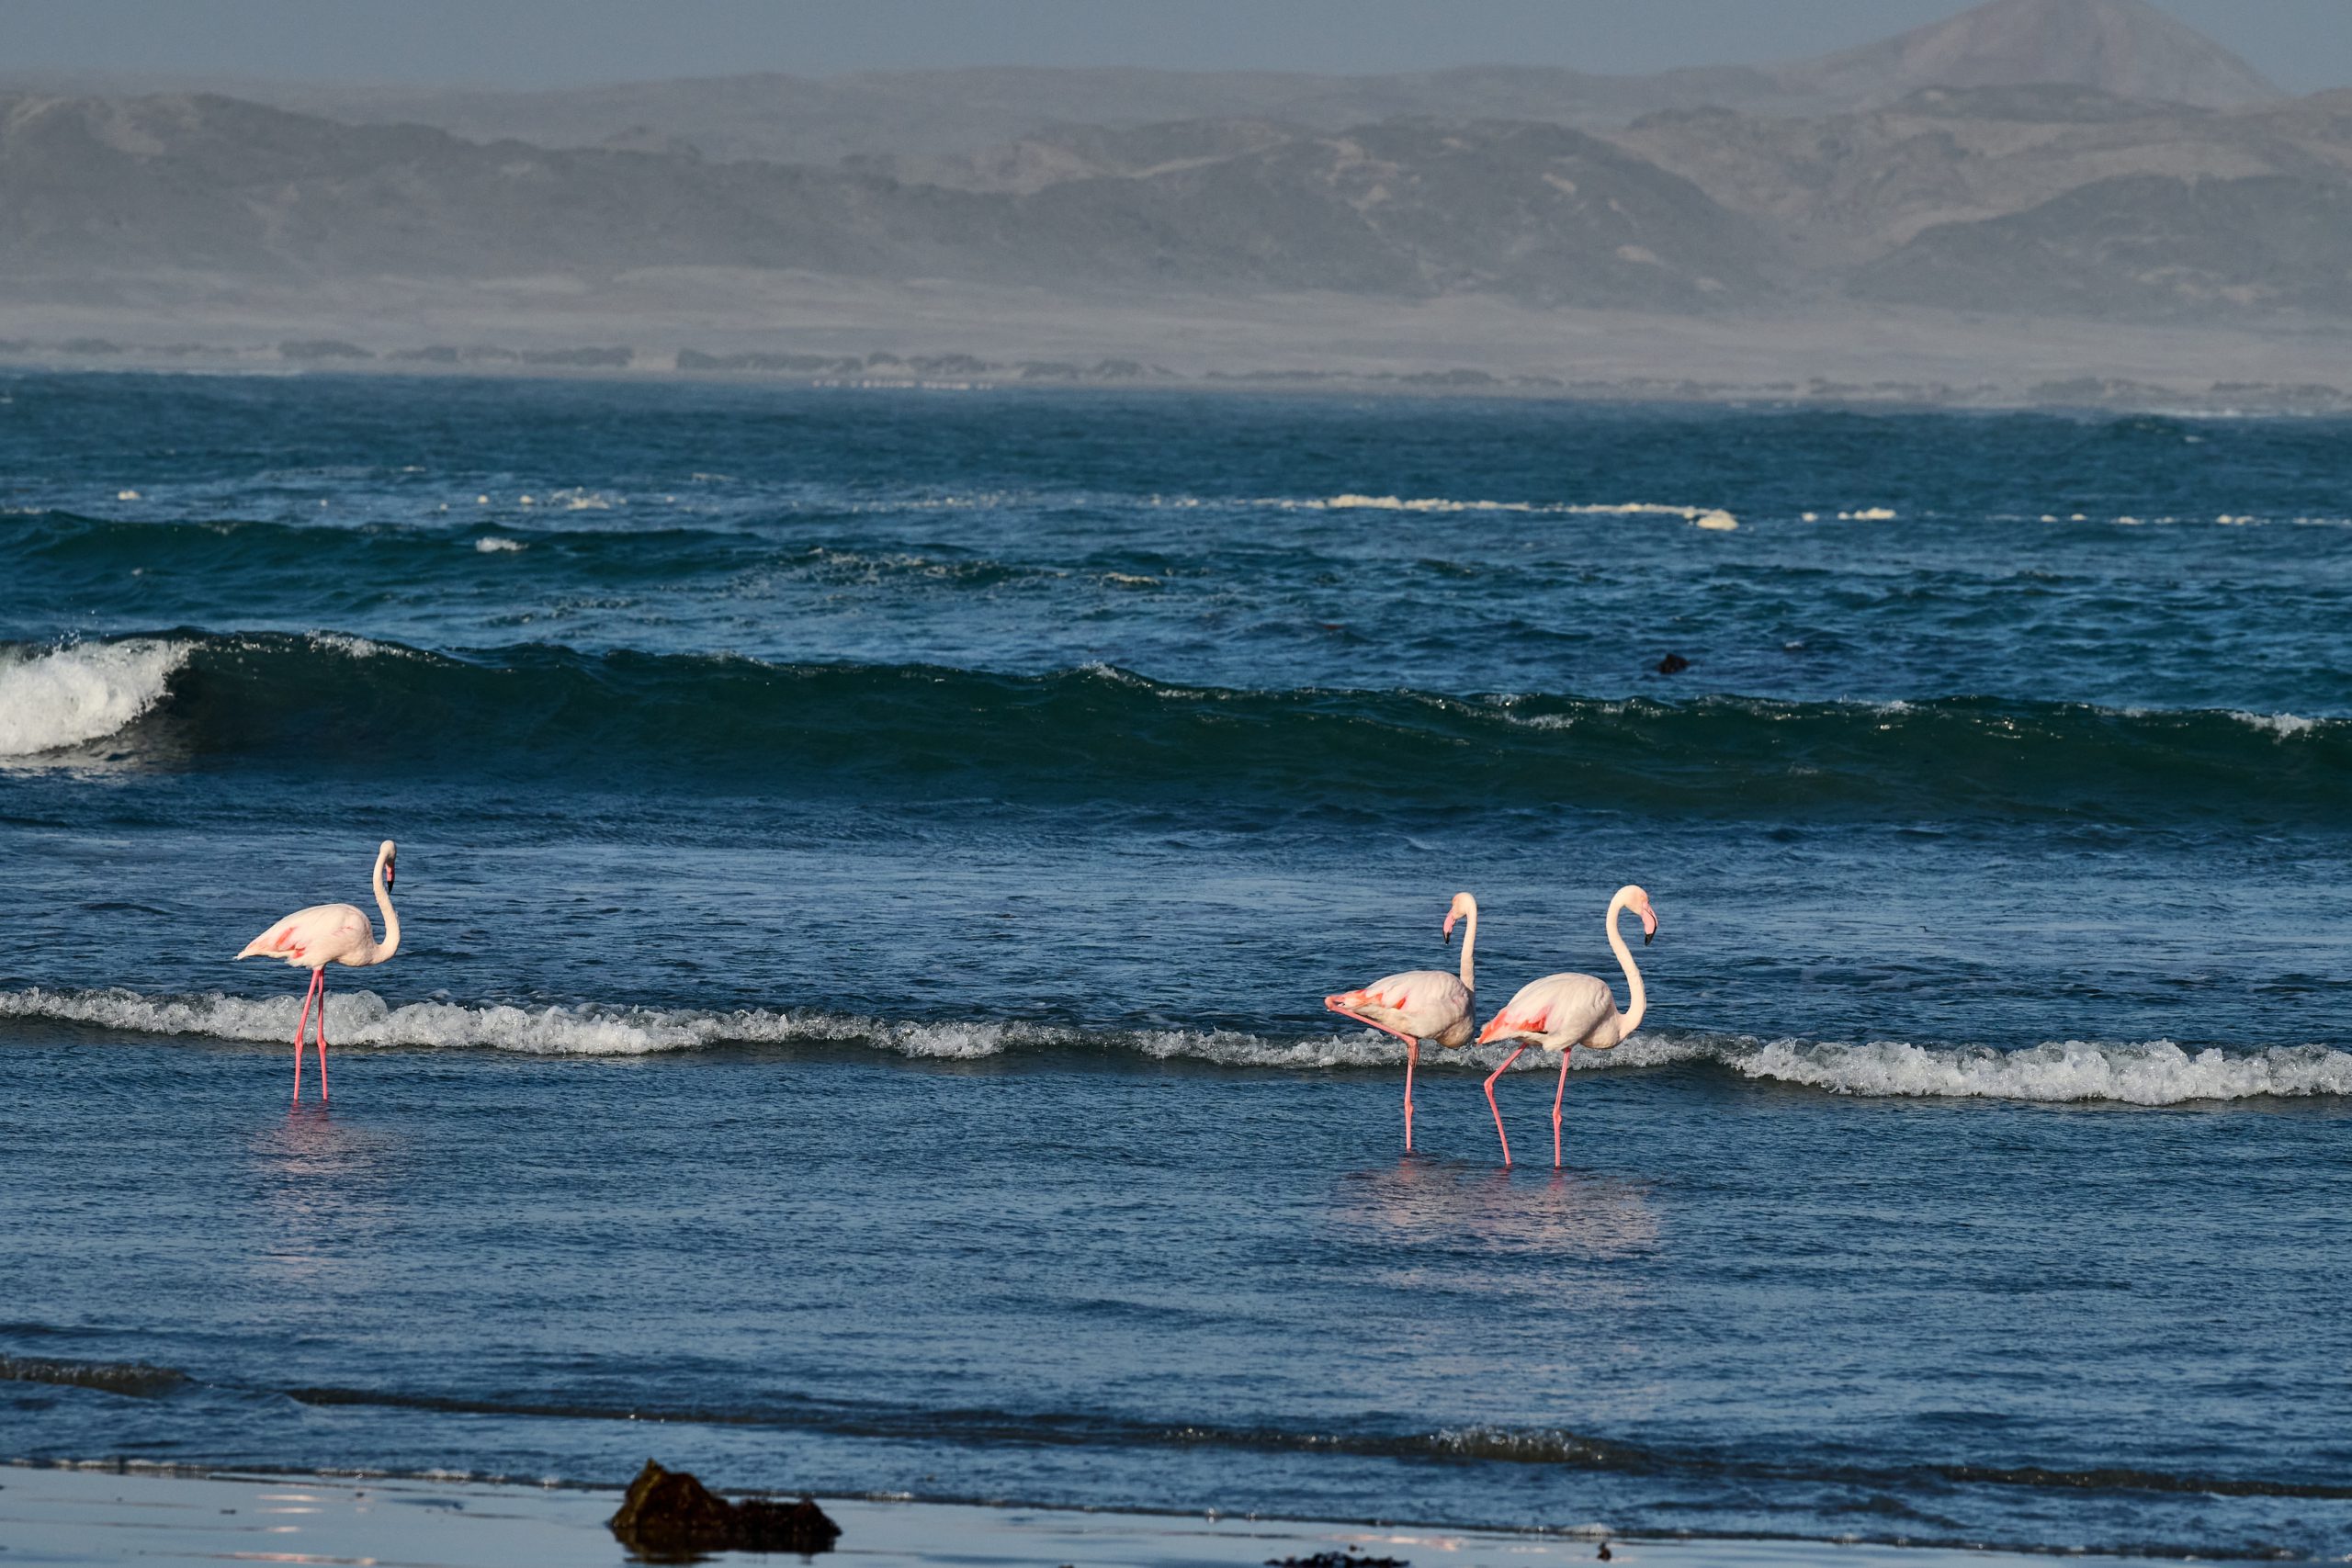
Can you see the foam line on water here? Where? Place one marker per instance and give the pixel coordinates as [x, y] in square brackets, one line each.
[1712, 518]
[2156, 1072]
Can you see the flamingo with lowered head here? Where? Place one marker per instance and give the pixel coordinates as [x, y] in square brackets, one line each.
[1561, 1013]
[330, 933]
[1421, 1004]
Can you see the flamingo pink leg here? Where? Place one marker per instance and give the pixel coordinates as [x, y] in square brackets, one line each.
[1566, 1051]
[1412, 1055]
[302, 1026]
[322, 1037]
[1496, 1109]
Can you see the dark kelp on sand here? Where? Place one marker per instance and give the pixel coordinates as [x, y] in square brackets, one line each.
[669, 1514]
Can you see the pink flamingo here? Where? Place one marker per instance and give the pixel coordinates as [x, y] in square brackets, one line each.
[1561, 1013]
[329, 933]
[1420, 1004]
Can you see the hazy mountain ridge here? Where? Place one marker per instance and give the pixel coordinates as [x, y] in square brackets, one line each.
[2142, 245]
[2022, 198]
[2127, 47]
[2044, 200]
[1849, 189]
[2124, 47]
[92, 187]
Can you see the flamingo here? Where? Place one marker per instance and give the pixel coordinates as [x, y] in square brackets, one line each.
[1561, 1013]
[330, 933]
[1420, 1004]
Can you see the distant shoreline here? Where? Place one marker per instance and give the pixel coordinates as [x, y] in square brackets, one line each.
[956, 372]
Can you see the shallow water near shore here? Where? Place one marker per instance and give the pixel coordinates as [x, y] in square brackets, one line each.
[870, 865]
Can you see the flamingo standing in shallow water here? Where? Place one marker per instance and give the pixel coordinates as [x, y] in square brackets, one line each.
[1561, 1013]
[330, 933]
[1420, 1004]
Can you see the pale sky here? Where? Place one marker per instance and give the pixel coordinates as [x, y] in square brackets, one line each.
[2304, 45]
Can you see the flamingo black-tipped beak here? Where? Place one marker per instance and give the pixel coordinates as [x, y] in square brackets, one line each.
[1649, 928]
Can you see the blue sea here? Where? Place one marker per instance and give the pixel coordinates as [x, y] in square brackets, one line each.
[870, 865]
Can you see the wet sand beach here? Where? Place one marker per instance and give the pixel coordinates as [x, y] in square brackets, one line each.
[156, 1518]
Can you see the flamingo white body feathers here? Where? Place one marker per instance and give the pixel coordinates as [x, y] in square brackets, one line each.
[1561, 1013]
[330, 933]
[324, 934]
[1421, 1004]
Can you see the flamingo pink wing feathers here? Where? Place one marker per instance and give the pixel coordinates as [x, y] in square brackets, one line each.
[309, 938]
[1423, 1001]
[1559, 1009]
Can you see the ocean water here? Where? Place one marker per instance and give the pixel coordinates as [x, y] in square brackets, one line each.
[871, 862]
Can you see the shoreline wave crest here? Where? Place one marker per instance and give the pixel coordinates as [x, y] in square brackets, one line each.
[2142, 1073]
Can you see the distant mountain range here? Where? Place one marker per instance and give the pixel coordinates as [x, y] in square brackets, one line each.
[2060, 156]
[2127, 47]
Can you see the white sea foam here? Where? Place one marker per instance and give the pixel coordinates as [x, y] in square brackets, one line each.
[2143, 1073]
[2283, 725]
[491, 547]
[80, 692]
[1713, 518]
[365, 1018]
[1399, 504]
[360, 647]
[2150, 1073]
[581, 500]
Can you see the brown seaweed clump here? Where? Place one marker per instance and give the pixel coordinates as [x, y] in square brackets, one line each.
[668, 1515]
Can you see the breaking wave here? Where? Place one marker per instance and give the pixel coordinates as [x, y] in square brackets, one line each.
[689, 722]
[2150, 1073]
[1712, 518]
[55, 699]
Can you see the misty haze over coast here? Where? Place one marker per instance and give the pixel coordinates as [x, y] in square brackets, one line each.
[2033, 200]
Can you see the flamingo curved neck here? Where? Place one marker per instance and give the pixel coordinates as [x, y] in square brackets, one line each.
[392, 942]
[1470, 940]
[1638, 1002]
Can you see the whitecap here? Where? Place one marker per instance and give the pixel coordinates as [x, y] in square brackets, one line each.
[2282, 724]
[2144, 1073]
[491, 547]
[2149, 1073]
[1714, 518]
[359, 646]
[577, 499]
[1425, 504]
[80, 692]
